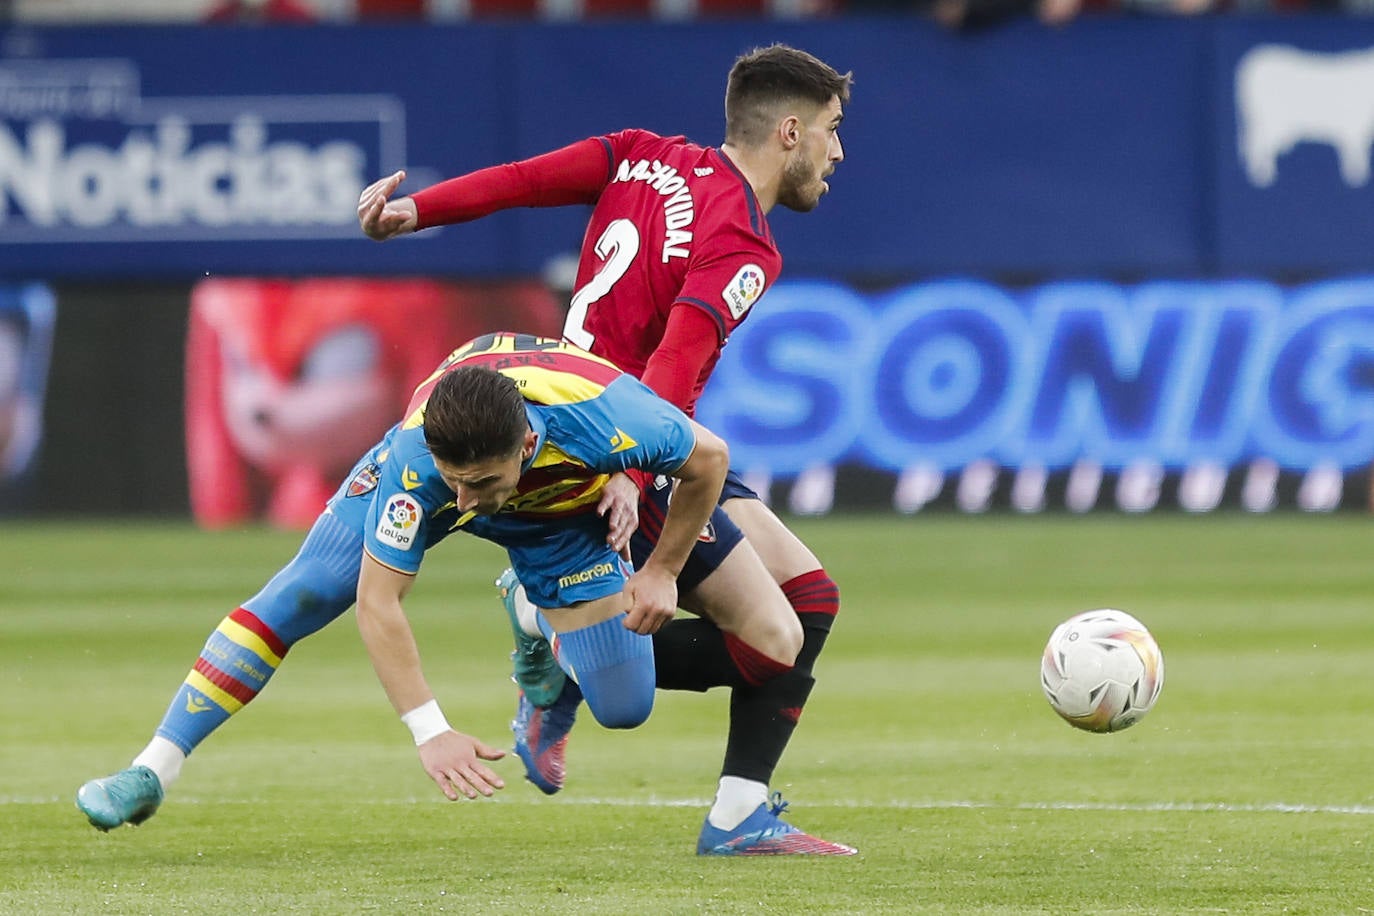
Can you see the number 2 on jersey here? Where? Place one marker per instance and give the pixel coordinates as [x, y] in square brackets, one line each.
[617, 248]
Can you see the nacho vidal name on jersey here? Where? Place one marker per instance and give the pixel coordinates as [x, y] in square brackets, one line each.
[678, 209]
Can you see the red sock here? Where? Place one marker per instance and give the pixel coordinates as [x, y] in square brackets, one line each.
[753, 664]
[813, 593]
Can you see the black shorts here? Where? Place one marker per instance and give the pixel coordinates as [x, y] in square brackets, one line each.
[714, 544]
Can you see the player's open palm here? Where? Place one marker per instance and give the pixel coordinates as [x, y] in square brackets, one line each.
[382, 218]
[653, 600]
[454, 761]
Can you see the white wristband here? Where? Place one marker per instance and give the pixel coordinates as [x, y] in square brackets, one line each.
[425, 722]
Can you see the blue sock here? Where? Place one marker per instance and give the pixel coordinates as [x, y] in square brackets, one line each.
[238, 660]
[245, 650]
[613, 666]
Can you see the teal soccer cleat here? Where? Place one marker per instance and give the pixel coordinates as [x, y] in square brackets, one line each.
[128, 797]
[541, 737]
[763, 833]
[536, 670]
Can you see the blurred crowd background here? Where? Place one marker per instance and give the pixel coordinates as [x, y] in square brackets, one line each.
[952, 13]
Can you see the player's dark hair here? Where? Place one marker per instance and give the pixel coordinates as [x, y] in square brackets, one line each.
[765, 78]
[474, 414]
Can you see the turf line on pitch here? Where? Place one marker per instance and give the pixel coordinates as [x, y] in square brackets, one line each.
[907, 804]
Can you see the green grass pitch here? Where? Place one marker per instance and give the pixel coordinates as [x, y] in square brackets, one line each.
[926, 744]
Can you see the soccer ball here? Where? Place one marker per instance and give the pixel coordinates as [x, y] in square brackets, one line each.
[1102, 670]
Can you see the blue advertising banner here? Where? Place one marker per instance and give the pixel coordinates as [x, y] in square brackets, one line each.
[1106, 148]
[1196, 381]
[159, 152]
[1293, 129]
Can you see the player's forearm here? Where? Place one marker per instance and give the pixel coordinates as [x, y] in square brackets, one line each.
[574, 174]
[390, 645]
[699, 482]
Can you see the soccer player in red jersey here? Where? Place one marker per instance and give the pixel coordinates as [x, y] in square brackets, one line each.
[676, 254]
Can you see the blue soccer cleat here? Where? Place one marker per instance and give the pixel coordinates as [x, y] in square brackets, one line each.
[541, 737]
[128, 797]
[764, 834]
[536, 670]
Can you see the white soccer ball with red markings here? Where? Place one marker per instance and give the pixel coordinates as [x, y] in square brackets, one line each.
[1102, 670]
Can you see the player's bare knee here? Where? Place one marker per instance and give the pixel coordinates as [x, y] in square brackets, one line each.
[779, 637]
[791, 640]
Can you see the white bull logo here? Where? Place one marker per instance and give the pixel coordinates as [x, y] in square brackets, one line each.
[1285, 96]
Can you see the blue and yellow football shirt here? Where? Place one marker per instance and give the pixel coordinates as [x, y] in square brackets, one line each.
[591, 421]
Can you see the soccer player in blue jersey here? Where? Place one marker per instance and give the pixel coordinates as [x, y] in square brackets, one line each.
[512, 439]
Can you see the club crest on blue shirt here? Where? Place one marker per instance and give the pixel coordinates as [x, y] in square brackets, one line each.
[365, 481]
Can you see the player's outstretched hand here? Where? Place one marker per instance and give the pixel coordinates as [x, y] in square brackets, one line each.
[382, 218]
[454, 761]
[653, 600]
[620, 507]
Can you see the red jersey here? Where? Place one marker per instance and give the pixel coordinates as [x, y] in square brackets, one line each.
[673, 224]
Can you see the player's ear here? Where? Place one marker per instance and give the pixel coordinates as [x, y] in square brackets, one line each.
[789, 132]
[531, 440]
